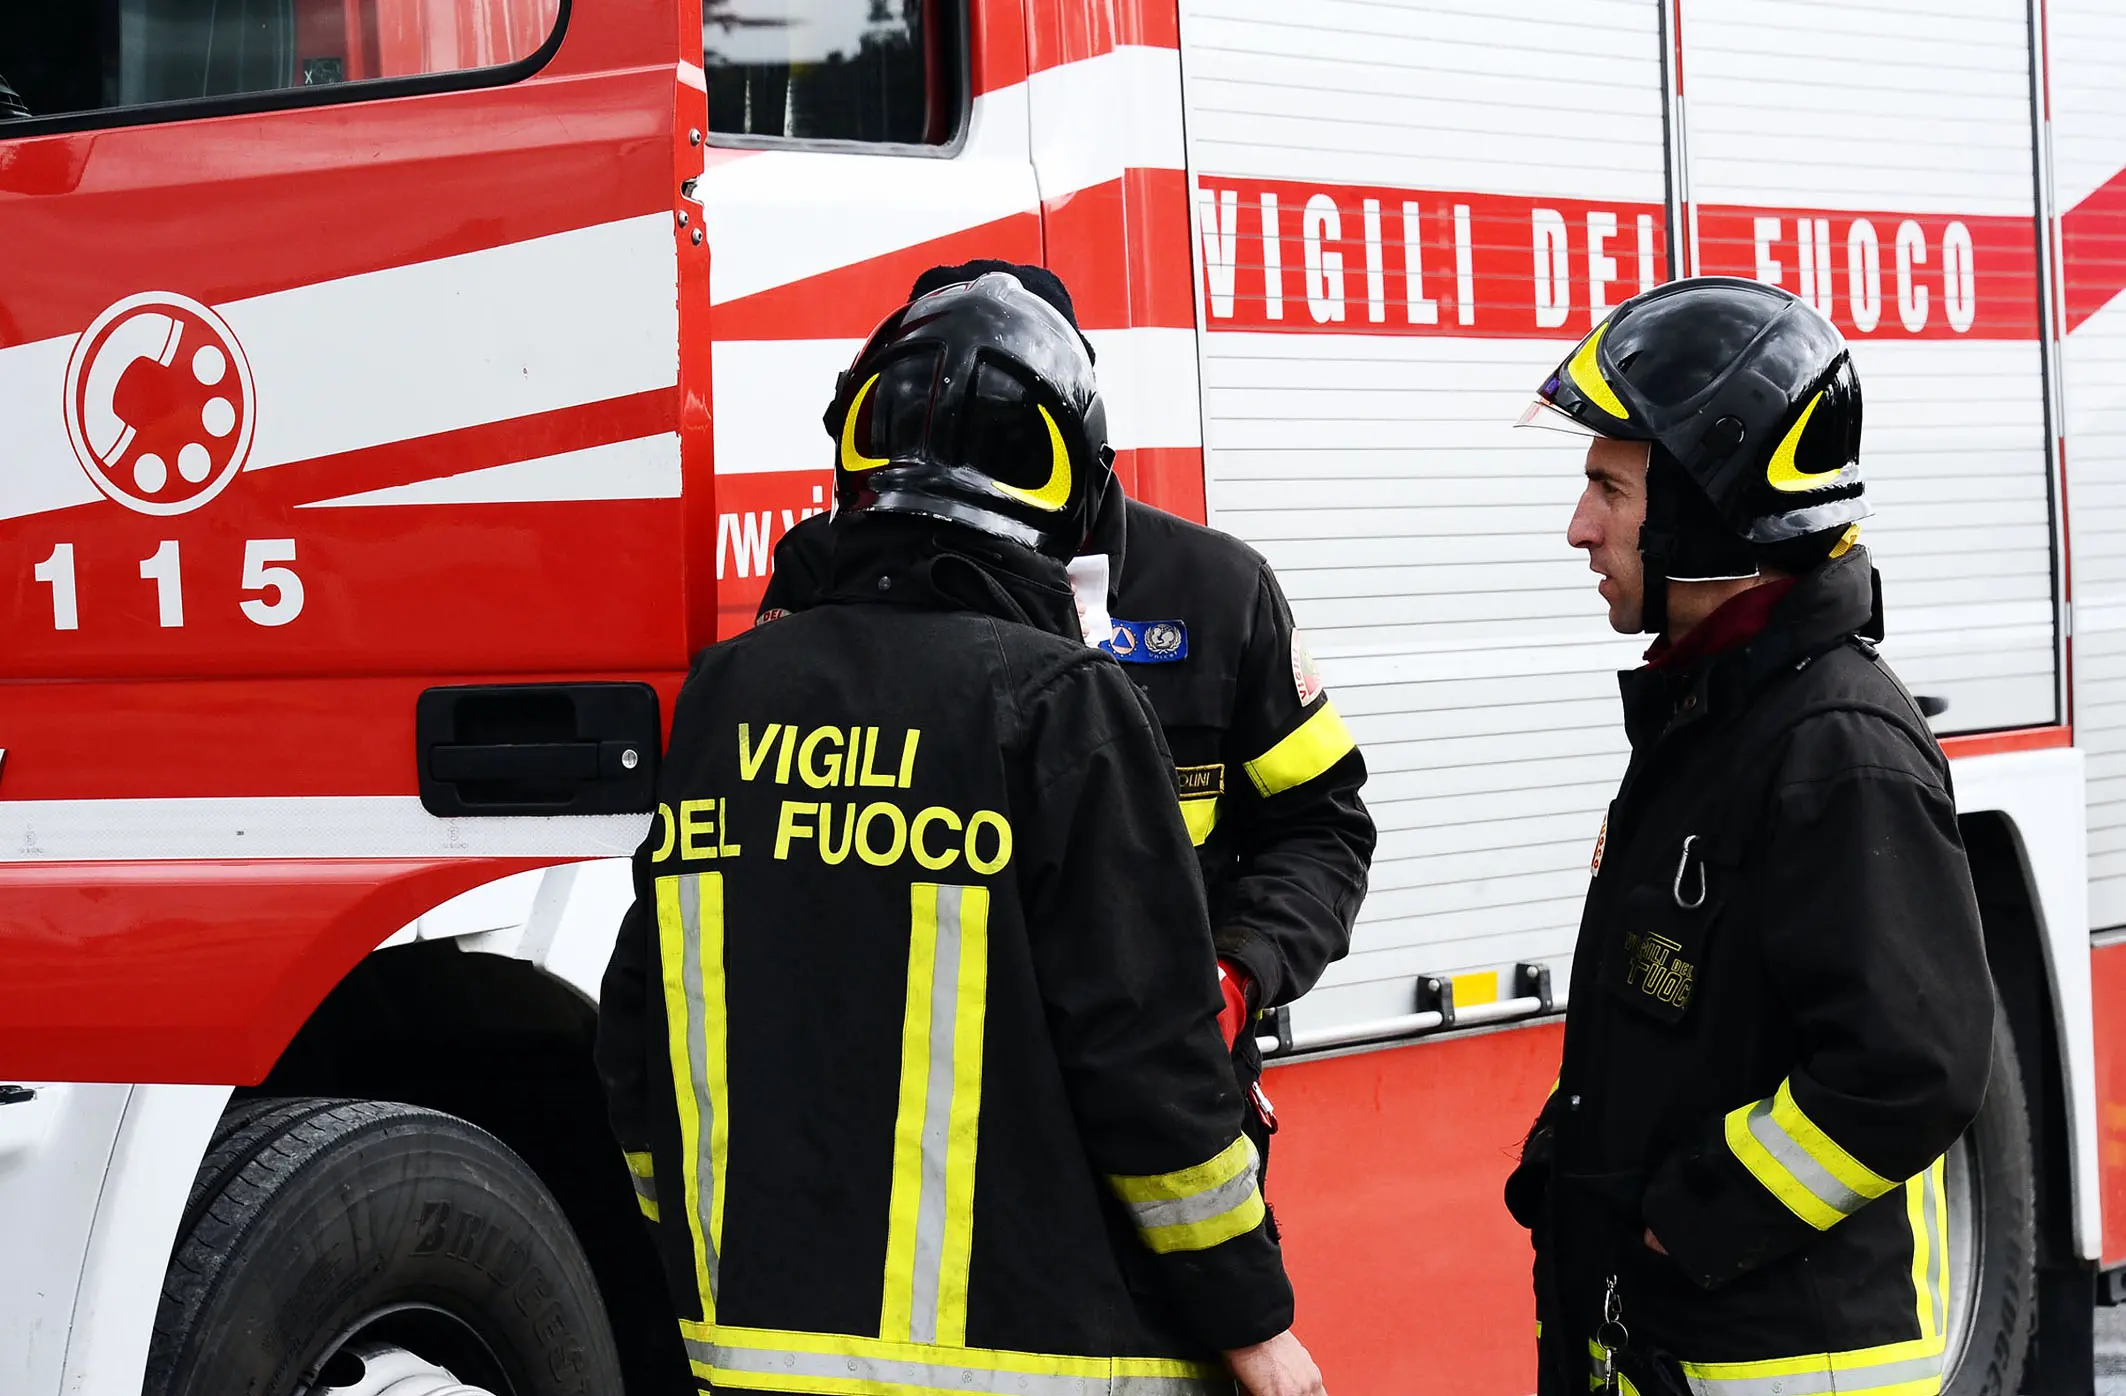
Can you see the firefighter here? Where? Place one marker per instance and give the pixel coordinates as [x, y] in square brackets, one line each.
[911, 1034]
[1781, 1016]
[1266, 773]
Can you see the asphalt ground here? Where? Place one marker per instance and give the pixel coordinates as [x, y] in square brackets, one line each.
[2111, 1351]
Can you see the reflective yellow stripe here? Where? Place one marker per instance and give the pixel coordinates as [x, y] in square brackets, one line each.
[1824, 1149]
[1926, 1207]
[1895, 1369]
[770, 1360]
[1201, 815]
[1193, 1209]
[1226, 1165]
[643, 1175]
[1798, 1163]
[690, 949]
[930, 1214]
[1940, 1175]
[1238, 1220]
[1922, 1254]
[965, 1116]
[1311, 749]
[1585, 371]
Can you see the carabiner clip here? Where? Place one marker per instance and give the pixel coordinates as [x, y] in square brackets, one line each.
[1683, 866]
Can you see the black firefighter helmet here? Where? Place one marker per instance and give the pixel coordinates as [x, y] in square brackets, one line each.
[975, 403]
[1749, 399]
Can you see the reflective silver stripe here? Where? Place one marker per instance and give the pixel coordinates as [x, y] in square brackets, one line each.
[1932, 1209]
[1179, 1211]
[698, 1069]
[937, 1120]
[1797, 1161]
[737, 1363]
[1171, 1386]
[1821, 1382]
[645, 1188]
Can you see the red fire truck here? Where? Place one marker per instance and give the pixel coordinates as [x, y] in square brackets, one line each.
[394, 395]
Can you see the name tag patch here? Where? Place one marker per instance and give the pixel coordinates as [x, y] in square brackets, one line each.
[1148, 641]
[1195, 782]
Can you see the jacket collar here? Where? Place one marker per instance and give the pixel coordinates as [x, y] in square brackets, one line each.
[1822, 609]
[907, 561]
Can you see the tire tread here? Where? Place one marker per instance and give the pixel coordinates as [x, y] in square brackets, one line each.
[256, 1149]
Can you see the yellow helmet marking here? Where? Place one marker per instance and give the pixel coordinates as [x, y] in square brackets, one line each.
[1585, 371]
[1782, 473]
[1054, 494]
[853, 460]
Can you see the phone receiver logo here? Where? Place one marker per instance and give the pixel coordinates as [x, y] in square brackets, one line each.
[159, 403]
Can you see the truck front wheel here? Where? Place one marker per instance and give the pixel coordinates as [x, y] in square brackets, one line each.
[1992, 1236]
[332, 1245]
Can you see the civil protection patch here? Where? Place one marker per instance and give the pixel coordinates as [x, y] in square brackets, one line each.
[1148, 641]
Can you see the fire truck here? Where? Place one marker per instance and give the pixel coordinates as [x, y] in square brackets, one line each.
[395, 395]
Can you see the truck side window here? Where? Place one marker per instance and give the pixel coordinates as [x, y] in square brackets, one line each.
[79, 56]
[880, 72]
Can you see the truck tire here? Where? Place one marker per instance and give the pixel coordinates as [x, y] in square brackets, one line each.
[321, 1234]
[1992, 1236]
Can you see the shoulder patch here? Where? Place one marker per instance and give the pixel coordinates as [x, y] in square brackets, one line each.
[1305, 677]
[772, 613]
[1148, 641]
[1594, 864]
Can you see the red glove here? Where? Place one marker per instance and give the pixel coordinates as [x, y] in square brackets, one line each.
[1233, 984]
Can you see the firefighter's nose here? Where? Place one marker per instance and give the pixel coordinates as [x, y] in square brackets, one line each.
[1585, 530]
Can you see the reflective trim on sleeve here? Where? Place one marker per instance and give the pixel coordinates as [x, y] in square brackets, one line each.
[1200, 813]
[1308, 751]
[690, 947]
[1895, 1369]
[1196, 1208]
[643, 1176]
[837, 1364]
[1798, 1163]
[930, 1215]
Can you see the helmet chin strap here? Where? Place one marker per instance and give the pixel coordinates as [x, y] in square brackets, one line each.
[1653, 611]
[1683, 539]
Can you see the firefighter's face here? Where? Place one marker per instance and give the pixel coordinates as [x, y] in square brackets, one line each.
[1606, 523]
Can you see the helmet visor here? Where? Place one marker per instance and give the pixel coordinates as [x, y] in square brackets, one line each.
[1544, 414]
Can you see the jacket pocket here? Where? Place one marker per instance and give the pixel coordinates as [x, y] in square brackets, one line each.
[1658, 936]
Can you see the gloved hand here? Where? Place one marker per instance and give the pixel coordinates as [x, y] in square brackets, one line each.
[1233, 982]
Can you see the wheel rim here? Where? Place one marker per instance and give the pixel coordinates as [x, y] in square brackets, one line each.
[382, 1370]
[407, 1350]
[1966, 1197]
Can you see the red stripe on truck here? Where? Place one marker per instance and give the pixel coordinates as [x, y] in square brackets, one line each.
[1885, 275]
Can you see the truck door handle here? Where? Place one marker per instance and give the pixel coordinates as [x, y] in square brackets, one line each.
[537, 749]
[457, 761]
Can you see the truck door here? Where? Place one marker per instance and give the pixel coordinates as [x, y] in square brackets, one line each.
[339, 361]
[851, 146]
[1405, 215]
[1886, 175]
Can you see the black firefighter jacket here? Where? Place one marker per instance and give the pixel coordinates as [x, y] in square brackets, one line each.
[951, 1107]
[1267, 773]
[1780, 1021]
